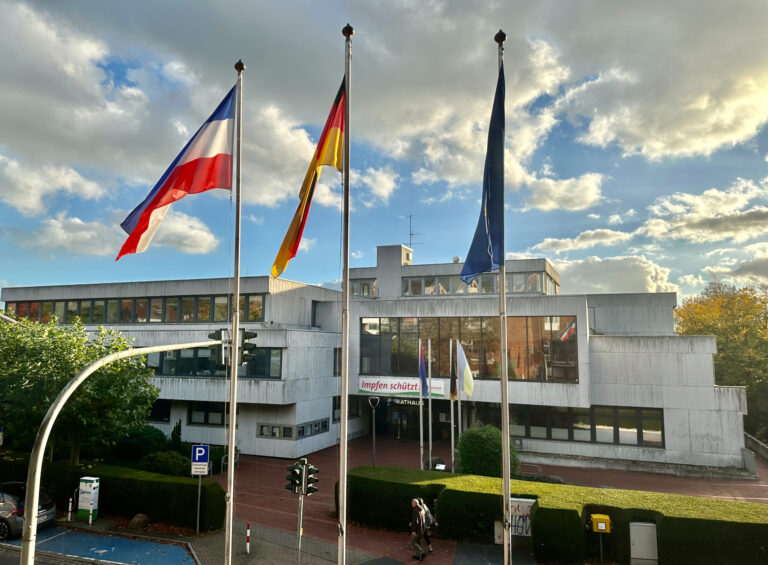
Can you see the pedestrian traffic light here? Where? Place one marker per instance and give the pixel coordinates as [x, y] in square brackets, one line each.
[247, 350]
[294, 477]
[309, 485]
[218, 355]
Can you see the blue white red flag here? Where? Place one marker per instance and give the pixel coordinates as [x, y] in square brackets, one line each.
[203, 164]
[569, 331]
[423, 373]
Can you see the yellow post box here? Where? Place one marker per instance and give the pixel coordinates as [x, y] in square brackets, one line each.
[601, 523]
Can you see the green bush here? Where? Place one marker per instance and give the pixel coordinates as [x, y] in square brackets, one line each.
[126, 492]
[140, 442]
[480, 452]
[689, 529]
[166, 463]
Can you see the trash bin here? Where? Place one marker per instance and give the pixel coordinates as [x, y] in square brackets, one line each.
[89, 493]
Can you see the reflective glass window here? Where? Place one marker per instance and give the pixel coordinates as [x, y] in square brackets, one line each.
[34, 311]
[22, 309]
[126, 311]
[537, 421]
[59, 310]
[628, 426]
[85, 311]
[652, 421]
[369, 346]
[99, 311]
[71, 311]
[113, 311]
[203, 308]
[560, 422]
[582, 425]
[188, 309]
[604, 424]
[256, 308]
[429, 285]
[141, 310]
[220, 308]
[171, 310]
[443, 285]
[46, 311]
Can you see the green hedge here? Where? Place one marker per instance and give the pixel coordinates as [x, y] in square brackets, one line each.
[125, 492]
[689, 529]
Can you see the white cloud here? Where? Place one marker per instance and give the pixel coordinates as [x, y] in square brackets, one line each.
[357, 254]
[258, 220]
[692, 281]
[71, 234]
[27, 189]
[613, 274]
[584, 240]
[566, 194]
[307, 243]
[714, 215]
[186, 234]
[593, 216]
[615, 220]
[381, 184]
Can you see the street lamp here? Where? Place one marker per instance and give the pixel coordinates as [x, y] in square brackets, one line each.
[373, 402]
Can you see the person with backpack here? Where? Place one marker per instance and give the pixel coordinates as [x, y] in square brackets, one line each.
[429, 523]
[417, 529]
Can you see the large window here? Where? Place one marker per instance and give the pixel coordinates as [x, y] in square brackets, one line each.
[267, 363]
[206, 414]
[598, 424]
[363, 287]
[161, 411]
[486, 283]
[172, 309]
[540, 348]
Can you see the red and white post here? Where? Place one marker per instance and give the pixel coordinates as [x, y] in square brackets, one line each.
[69, 511]
[90, 514]
[248, 538]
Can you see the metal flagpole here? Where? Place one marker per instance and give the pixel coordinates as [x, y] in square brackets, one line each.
[500, 37]
[341, 525]
[429, 372]
[451, 369]
[421, 415]
[235, 337]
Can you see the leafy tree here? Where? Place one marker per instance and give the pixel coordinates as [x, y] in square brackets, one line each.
[38, 360]
[480, 452]
[738, 318]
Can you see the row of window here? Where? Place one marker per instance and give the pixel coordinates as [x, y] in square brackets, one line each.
[267, 363]
[597, 424]
[540, 348]
[170, 309]
[536, 283]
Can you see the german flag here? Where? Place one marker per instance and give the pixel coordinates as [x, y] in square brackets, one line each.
[329, 152]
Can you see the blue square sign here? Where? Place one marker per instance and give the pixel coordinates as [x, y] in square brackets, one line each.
[200, 453]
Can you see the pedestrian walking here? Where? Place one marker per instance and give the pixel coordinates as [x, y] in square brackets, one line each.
[417, 529]
[429, 523]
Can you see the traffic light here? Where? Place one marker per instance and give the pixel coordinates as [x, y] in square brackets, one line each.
[309, 485]
[218, 358]
[247, 350]
[294, 477]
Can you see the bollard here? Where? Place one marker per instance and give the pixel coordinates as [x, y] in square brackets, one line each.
[90, 515]
[248, 538]
[69, 511]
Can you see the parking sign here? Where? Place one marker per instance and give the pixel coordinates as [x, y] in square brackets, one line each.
[200, 459]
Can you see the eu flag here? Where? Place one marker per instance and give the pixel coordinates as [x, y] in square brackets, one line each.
[487, 249]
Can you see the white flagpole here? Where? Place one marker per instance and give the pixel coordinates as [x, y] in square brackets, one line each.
[451, 369]
[500, 37]
[341, 525]
[429, 372]
[421, 415]
[235, 337]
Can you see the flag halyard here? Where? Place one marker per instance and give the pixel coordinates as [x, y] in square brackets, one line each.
[329, 152]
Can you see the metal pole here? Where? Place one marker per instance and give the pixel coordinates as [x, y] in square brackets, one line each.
[199, 488]
[451, 369]
[298, 529]
[421, 415]
[429, 369]
[341, 525]
[373, 402]
[500, 37]
[234, 356]
[32, 496]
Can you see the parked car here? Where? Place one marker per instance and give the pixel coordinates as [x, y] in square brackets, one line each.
[12, 509]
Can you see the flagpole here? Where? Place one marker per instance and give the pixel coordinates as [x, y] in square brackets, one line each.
[235, 337]
[429, 388]
[451, 369]
[348, 31]
[421, 414]
[500, 37]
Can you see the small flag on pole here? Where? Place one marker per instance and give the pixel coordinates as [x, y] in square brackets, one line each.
[464, 370]
[487, 249]
[203, 164]
[329, 152]
[454, 386]
[423, 373]
[569, 331]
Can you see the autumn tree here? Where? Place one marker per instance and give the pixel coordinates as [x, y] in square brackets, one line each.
[38, 360]
[738, 317]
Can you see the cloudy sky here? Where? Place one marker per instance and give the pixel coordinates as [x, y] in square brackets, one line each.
[636, 139]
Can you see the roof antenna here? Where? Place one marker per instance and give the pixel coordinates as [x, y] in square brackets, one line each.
[411, 233]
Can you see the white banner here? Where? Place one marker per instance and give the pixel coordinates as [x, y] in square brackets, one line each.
[398, 386]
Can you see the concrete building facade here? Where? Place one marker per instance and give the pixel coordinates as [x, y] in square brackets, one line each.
[600, 380]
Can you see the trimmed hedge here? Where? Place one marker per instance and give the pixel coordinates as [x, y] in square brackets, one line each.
[689, 529]
[125, 492]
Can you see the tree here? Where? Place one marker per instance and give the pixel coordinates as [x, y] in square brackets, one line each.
[480, 452]
[738, 318]
[38, 360]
